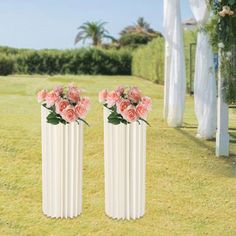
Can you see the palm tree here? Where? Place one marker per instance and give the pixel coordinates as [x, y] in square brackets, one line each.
[93, 30]
[141, 27]
[142, 24]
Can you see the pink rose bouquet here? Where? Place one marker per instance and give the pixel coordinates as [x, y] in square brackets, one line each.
[66, 105]
[126, 105]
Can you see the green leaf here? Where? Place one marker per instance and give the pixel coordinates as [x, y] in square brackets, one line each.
[111, 108]
[112, 115]
[232, 2]
[63, 122]
[144, 121]
[52, 116]
[114, 121]
[105, 105]
[48, 108]
[124, 121]
[84, 122]
[53, 121]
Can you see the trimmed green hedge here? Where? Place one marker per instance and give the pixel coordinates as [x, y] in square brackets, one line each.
[134, 40]
[78, 61]
[7, 65]
[148, 60]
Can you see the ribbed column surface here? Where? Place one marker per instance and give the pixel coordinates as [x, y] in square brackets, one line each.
[125, 166]
[62, 156]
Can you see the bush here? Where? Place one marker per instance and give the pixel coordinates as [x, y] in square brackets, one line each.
[92, 61]
[9, 51]
[7, 65]
[134, 40]
[148, 60]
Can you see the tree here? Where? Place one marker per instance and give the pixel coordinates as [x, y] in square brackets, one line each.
[138, 34]
[93, 30]
[133, 40]
[141, 27]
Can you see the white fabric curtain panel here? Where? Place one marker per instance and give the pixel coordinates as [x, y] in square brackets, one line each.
[175, 78]
[204, 79]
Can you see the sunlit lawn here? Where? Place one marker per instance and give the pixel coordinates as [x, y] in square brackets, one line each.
[188, 190]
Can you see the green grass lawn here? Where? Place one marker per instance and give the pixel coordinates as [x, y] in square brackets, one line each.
[188, 190]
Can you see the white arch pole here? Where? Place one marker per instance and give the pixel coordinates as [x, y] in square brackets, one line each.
[167, 81]
[222, 134]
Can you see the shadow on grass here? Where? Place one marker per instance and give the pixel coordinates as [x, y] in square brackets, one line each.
[202, 144]
[233, 137]
[199, 142]
[233, 134]
[189, 126]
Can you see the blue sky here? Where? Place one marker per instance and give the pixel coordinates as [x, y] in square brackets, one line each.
[53, 23]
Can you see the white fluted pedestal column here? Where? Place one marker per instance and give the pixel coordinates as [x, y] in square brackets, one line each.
[125, 167]
[62, 155]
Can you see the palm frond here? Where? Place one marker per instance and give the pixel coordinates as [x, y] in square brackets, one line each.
[79, 37]
[93, 30]
[110, 37]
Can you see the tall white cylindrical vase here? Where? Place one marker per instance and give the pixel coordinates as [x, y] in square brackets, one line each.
[125, 167]
[62, 155]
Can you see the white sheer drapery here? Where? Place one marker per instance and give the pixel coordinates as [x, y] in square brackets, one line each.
[175, 79]
[204, 79]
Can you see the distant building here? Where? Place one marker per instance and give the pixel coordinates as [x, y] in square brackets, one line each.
[190, 24]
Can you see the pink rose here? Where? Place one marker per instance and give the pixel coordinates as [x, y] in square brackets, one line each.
[58, 89]
[147, 102]
[51, 98]
[73, 94]
[102, 97]
[61, 105]
[41, 95]
[85, 101]
[112, 98]
[122, 105]
[120, 90]
[69, 114]
[142, 110]
[134, 95]
[81, 110]
[130, 114]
